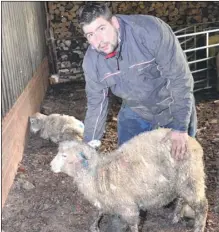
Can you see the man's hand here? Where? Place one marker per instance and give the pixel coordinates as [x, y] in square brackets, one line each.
[95, 144]
[179, 143]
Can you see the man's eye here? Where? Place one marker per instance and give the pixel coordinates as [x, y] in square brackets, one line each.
[102, 28]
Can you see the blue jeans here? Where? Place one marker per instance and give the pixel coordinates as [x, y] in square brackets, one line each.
[131, 124]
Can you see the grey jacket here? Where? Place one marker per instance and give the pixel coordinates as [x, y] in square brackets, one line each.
[149, 72]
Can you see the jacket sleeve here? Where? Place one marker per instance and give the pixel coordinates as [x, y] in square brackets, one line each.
[97, 104]
[172, 64]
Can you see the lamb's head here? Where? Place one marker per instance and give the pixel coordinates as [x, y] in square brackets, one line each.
[36, 122]
[73, 155]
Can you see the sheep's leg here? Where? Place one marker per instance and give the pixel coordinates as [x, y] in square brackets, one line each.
[142, 217]
[134, 228]
[95, 226]
[182, 209]
[200, 207]
[131, 216]
[188, 212]
[116, 224]
[178, 210]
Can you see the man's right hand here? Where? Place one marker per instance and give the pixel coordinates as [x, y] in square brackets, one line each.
[95, 143]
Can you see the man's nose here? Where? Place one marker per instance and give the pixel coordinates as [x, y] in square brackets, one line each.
[98, 39]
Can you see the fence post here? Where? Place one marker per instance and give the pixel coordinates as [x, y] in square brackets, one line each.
[217, 68]
[207, 56]
[195, 43]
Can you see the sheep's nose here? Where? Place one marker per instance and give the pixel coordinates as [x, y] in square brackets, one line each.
[51, 163]
[55, 169]
[54, 166]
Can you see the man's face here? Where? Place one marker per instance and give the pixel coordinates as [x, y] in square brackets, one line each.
[102, 34]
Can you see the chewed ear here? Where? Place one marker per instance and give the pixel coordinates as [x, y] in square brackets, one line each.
[81, 125]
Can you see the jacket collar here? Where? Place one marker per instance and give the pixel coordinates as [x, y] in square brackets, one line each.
[117, 52]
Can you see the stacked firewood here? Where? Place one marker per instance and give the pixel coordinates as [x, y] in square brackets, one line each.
[63, 15]
[70, 53]
[180, 13]
[70, 44]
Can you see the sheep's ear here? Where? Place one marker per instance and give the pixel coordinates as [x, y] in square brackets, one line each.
[80, 126]
[83, 155]
[88, 155]
[33, 120]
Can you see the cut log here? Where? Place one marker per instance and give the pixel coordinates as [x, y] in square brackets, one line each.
[63, 17]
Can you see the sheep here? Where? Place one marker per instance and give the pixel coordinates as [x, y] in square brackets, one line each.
[56, 127]
[140, 174]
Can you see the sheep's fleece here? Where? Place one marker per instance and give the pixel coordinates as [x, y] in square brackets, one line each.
[57, 127]
[139, 174]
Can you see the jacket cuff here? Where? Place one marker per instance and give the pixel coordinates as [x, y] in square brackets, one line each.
[179, 127]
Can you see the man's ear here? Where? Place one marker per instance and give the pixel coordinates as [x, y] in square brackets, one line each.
[115, 22]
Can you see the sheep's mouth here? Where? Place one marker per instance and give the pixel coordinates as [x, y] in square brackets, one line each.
[55, 169]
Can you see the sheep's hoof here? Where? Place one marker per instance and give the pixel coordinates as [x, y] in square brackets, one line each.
[175, 219]
[94, 228]
[199, 230]
[115, 224]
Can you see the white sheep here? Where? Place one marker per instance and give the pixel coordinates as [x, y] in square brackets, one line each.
[57, 127]
[141, 174]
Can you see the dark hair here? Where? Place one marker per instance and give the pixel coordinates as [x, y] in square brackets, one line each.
[90, 11]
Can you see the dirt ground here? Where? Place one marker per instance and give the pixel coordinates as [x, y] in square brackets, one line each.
[41, 201]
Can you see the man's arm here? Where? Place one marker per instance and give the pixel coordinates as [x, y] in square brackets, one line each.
[97, 105]
[173, 66]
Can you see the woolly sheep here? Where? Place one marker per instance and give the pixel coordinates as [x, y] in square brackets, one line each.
[57, 127]
[141, 174]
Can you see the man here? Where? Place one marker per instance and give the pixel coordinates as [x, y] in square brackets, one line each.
[139, 58]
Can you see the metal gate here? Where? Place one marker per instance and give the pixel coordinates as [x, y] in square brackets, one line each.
[200, 43]
[195, 40]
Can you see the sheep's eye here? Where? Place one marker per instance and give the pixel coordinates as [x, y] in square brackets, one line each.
[64, 155]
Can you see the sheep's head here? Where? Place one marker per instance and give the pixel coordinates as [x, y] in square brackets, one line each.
[71, 156]
[36, 122]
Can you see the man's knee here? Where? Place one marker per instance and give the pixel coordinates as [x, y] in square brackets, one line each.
[130, 124]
